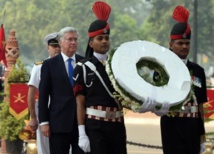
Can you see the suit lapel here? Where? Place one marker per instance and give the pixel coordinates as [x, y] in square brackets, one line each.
[78, 58]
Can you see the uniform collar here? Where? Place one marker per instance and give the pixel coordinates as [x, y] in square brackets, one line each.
[100, 57]
[185, 61]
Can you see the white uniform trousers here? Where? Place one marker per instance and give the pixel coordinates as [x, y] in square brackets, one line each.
[42, 141]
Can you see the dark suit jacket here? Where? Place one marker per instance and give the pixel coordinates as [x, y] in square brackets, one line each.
[55, 83]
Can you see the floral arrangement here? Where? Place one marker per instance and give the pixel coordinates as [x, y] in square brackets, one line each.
[144, 66]
[27, 133]
[127, 100]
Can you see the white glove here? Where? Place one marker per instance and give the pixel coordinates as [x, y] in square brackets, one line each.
[202, 147]
[148, 105]
[84, 142]
[163, 110]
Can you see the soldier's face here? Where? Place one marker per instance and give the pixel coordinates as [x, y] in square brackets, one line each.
[100, 43]
[53, 50]
[180, 47]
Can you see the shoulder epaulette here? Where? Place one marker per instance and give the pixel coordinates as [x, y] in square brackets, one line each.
[80, 63]
[38, 63]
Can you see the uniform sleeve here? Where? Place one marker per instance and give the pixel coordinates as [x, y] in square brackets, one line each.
[79, 85]
[44, 92]
[203, 92]
[35, 76]
[203, 99]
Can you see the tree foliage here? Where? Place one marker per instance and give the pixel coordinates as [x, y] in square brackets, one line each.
[130, 20]
[160, 22]
[34, 19]
[18, 73]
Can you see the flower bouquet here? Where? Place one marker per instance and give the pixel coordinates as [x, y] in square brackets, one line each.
[27, 133]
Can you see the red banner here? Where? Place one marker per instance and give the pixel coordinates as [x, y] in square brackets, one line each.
[2, 45]
[209, 106]
[18, 100]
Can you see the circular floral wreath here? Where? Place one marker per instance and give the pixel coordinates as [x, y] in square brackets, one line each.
[150, 69]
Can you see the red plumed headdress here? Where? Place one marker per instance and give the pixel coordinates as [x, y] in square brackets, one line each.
[101, 10]
[181, 30]
[100, 26]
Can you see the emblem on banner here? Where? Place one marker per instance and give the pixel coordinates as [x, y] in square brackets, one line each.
[18, 100]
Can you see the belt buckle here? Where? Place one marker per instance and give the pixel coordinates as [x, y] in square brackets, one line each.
[189, 109]
[194, 109]
[110, 114]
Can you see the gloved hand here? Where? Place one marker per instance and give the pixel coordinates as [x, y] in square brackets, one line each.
[163, 110]
[84, 142]
[148, 105]
[202, 147]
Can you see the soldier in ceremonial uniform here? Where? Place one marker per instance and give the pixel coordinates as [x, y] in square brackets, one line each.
[53, 49]
[100, 118]
[183, 132]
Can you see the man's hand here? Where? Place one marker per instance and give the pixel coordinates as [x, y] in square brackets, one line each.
[45, 129]
[202, 147]
[148, 105]
[33, 124]
[163, 110]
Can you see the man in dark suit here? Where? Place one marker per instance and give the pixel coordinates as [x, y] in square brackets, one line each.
[57, 118]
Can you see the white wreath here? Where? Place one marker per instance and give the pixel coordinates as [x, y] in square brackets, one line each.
[124, 74]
